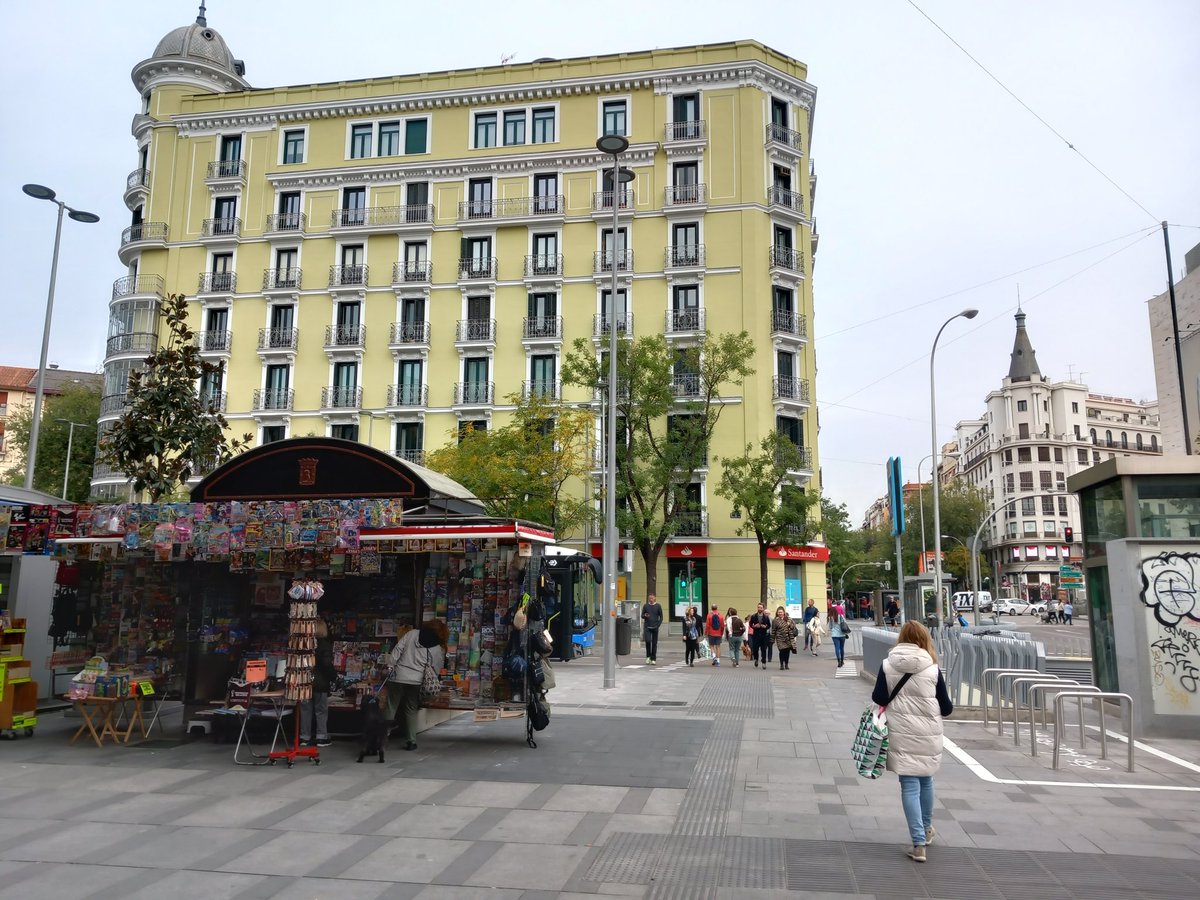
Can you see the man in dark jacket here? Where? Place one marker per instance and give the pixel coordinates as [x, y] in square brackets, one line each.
[318, 707]
[652, 618]
[760, 635]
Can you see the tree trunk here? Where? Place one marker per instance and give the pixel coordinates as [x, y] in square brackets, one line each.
[650, 561]
[762, 573]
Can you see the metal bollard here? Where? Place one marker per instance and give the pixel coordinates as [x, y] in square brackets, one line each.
[983, 682]
[1014, 674]
[1029, 684]
[1124, 700]
[1041, 691]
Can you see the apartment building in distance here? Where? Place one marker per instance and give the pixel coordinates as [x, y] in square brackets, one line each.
[1162, 347]
[388, 260]
[1033, 435]
[18, 386]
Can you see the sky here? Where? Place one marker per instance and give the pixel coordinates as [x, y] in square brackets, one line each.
[936, 191]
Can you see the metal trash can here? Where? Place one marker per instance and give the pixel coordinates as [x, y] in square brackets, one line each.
[624, 635]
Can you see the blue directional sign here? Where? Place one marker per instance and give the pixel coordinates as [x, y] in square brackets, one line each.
[896, 495]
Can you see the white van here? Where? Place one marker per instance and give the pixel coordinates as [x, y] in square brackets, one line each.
[963, 600]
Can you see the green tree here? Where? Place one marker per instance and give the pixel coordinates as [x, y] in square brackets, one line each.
[78, 403]
[845, 543]
[523, 470]
[168, 426]
[963, 506]
[668, 405]
[773, 508]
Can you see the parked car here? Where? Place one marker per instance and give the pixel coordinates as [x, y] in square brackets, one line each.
[1009, 606]
[1037, 609]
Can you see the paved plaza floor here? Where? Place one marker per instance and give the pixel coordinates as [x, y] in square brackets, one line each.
[681, 782]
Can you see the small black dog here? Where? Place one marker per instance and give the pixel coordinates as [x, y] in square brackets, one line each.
[374, 729]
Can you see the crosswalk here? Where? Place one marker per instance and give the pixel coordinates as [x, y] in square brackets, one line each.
[849, 670]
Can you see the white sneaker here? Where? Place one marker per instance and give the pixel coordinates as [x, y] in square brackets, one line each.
[930, 833]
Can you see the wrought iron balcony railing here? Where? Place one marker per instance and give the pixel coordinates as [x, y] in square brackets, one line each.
[694, 130]
[477, 267]
[684, 195]
[473, 392]
[132, 342]
[546, 390]
[345, 335]
[601, 325]
[803, 461]
[110, 404]
[137, 178]
[409, 455]
[214, 341]
[780, 134]
[282, 279]
[144, 231]
[784, 321]
[691, 524]
[348, 276]
[217, 283]
[138, 284]
[602, 200]
[339, 396]
[789, 387]
[227, 168]
[686, 384]
[780, 196]
[602, 261]
[295, 221]
[548, 327]
[382, 216]
[782, 257]
[273, 399]
[410, 272]
[684, 256]
[407, 395]
[214, 401]
[511, 207]
[476, 330]
[278, 338]
[227, 227]
[545, 264]
[409, 333]
[685, 320]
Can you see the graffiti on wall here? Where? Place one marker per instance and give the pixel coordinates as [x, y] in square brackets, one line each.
[1171, 593]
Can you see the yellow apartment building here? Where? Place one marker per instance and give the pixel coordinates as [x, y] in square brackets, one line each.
[387, 259]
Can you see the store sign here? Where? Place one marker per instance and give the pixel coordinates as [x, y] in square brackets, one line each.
[687, 551]
[524, 548]
[799, 554]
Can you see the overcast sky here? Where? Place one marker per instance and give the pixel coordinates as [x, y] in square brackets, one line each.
[932, 180]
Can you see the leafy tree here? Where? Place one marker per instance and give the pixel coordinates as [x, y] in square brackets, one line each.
[168, 427]
[668, 405]
[78, 403]
[962, 506]
[774, 509]
[522, 470]
[845, 543]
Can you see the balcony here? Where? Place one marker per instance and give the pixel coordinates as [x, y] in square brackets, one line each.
[286, 223]
[104, 470]
[789, 387]
[408, 395]
[782, 136]
[113, 404]
[600, 391]
[341, 397]
[138, 284]
[542, 328]
[383, 218]
[278, 340]
[790, 324]
[420, 272]
[272, 400]
[547, 206]
[601, 326]
[684, 256]
[678, 132]
[221, 229]
[227, 168]
[348, 276]
[282, 279]
[217, 283]
[406, 333]
[686, 384]
[684, 195]
[602, 203]
[804, 461]
[544, 390]
[139, 343]
[214, 401]
[473, 393]
[416, 457]
[472, 267]
[780, 198]
[472, 330]
[141, 236]
[685, 321]
[602, 261]
[137, 187]
[787, 259]
[691, 523]
[345, 337]
[214, 341]
[544, 266]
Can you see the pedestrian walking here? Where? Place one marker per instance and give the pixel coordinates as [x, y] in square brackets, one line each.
[735, 633]
[760, 635]
[914, 718]
[783, 635]
[691, 636]
[838, 629]
[892, 613]
[864, 608]
[810, 612]
[1068, 611]
[714, 630]
[652, 618]
[816, 633]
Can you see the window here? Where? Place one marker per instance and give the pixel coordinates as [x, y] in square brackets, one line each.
[1138, 442]
[225, 214]
[1154, 442]
[782, 239]
[1124, 441]
[685, 179]
[1074, 407]
[542, 376]
[685, 308]
[789, 427]
[360, 141]
[779, 112]
[479, 198]
[686, 108]
[1023, 431]
[416, 261]
[1009, 485]
[543, 306]
[409, 382]
[1026, 482]
[231, 152]
[282, 317]
[349, 315]
[616, 120]
[543, 126]
[293, 147]
[389, 139]
[465, 427]
[1027, 508]
[1047, 506]
[622, 310]
[475, 380]
[273, 433]
[485, 130]
[289, 212]
[685, 244]
[514, 128]
[1046, 481]
[412, 314]
[1024, 454]
[410, 439]
[416, 198]
[287, 275]
[345, 432]
[1044, 454]
[1058, 454]
[1008, 457]
[222, 272]
[416, 136]
[1062, 506]
[277, 382]
[545, 192]
[1081, 456]
[476, 261]
[352, 256]
[1108, 438]
[1022, 406]
[354, 206]
[785, 365]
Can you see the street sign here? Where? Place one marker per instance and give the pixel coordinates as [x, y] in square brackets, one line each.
[1070, 582]
[1070, 572]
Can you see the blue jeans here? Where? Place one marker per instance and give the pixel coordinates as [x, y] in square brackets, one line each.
[839, 648]
[916, 794]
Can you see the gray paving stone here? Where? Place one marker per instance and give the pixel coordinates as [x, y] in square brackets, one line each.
[432, 821]
[418, 860]
[190, 885]
[522, 826]
[291, 853]
[65, 881]
[514, 866]
[333, 816]
[74, 841]
[331, 889]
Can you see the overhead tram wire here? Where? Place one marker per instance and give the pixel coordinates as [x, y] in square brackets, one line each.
[1030, 110]
[982, 284]
[1005, 311]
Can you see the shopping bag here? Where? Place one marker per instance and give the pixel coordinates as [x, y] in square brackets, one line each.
[870, 748]
[705, 650]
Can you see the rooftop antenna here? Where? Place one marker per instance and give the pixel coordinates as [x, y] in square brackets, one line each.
[507, 58]
[201, 19]
[1018, 298]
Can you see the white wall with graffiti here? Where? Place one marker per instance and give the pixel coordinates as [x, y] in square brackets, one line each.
[1170, 598]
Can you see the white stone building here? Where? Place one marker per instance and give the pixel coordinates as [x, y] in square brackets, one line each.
[1166, 377]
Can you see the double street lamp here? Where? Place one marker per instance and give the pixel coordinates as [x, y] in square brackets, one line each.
[614, 145]
[41, 192]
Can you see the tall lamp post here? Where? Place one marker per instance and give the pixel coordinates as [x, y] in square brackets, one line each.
[70, 441]
[933, 448]
[41, 192]
[614, 145]
[921, 500]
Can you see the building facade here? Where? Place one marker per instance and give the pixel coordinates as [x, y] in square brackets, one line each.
[18, 387]
[1166, 374]
[389, 260]
[1034, 434]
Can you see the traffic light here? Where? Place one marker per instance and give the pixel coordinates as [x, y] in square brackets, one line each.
[1069, 534]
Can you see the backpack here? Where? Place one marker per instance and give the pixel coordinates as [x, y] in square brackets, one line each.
[538, 712]
[714, 621]
[737, 626]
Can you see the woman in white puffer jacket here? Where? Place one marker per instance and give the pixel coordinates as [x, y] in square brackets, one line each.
[914, 718]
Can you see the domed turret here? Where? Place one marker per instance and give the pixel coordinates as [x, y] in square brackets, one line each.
[194, 54]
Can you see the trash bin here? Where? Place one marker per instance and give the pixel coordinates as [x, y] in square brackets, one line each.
[624, 635]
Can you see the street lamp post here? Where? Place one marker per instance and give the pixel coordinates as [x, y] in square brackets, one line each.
[933, 448]
[887, 566]
[921, 500]
[41, 192]
[614, 145]
[70, 441]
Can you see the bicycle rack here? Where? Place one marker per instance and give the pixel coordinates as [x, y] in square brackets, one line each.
[1014, 674]
[983, 685]
[1029, 684]
[1100, 697]
[1042, 692]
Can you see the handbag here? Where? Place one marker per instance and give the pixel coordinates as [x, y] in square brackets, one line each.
[845, 627]
[431, 685]
[870, 748]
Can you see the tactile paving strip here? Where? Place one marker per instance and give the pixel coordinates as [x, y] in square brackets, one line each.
[742, 698]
